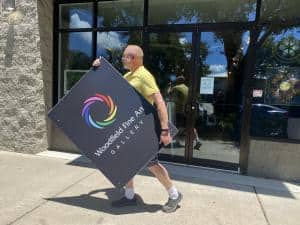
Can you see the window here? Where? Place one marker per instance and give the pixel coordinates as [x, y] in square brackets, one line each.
[80, 42]
[281, 11]
[276, 90]
[77, 15]
[75, 56]
[203, 11]
[124, 13]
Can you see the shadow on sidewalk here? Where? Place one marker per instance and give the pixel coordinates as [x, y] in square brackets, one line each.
[91, 202]
[279, 189]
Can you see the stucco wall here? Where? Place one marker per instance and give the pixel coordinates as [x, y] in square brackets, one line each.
[22, 108]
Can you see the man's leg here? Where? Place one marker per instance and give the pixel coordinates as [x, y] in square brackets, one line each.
[198, 143]
[129, 190]
[162, 175]
[160, 172]
[129, 198]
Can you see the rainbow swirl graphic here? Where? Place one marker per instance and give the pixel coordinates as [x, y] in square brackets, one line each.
[110, 105]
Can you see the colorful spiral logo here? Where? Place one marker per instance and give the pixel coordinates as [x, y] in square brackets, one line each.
[102, 99]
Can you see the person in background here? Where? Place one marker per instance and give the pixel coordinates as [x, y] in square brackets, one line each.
[179, 93]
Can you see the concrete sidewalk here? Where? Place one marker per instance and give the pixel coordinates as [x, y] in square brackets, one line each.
[46, 190]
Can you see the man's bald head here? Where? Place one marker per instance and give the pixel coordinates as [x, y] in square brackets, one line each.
[135, 54]
[134, 50]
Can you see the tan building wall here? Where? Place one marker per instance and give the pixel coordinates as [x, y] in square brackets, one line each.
[274, 160]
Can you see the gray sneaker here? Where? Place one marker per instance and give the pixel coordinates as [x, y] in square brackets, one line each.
[124, 202]
[172, 204]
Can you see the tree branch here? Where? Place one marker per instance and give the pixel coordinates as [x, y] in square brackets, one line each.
[264, 37]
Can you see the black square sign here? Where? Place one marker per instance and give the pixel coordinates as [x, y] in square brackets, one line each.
[110, 122]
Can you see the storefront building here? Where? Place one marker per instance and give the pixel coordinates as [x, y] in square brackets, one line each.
[228, 70]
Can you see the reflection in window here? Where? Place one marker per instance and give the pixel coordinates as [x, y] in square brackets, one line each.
[285, 11]
[222, 55]
[214, 62]
[170, 57]
[75, 52]
[122, 13]
[112, 44]
[278, 68]
[170, 63]
[77, 15]
[277, 83]
[204, 11]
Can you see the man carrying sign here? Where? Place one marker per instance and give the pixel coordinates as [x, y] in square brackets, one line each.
[144, 82]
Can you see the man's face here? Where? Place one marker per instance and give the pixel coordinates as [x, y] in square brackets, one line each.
[127, 59]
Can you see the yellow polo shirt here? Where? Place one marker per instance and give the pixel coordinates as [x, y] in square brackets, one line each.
[143, 81]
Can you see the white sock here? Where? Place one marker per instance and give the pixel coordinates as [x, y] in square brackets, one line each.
[173, 193]
[129, 193]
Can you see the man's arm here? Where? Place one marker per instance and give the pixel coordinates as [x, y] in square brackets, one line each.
[162, 110]
[165, 137]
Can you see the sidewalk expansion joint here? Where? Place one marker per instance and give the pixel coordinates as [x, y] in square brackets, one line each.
[261, 206]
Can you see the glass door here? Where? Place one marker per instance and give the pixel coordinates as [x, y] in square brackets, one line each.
[218, 94]
[200, 75]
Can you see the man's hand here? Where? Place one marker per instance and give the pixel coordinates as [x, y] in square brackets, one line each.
[165, 138]
[97, 62]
